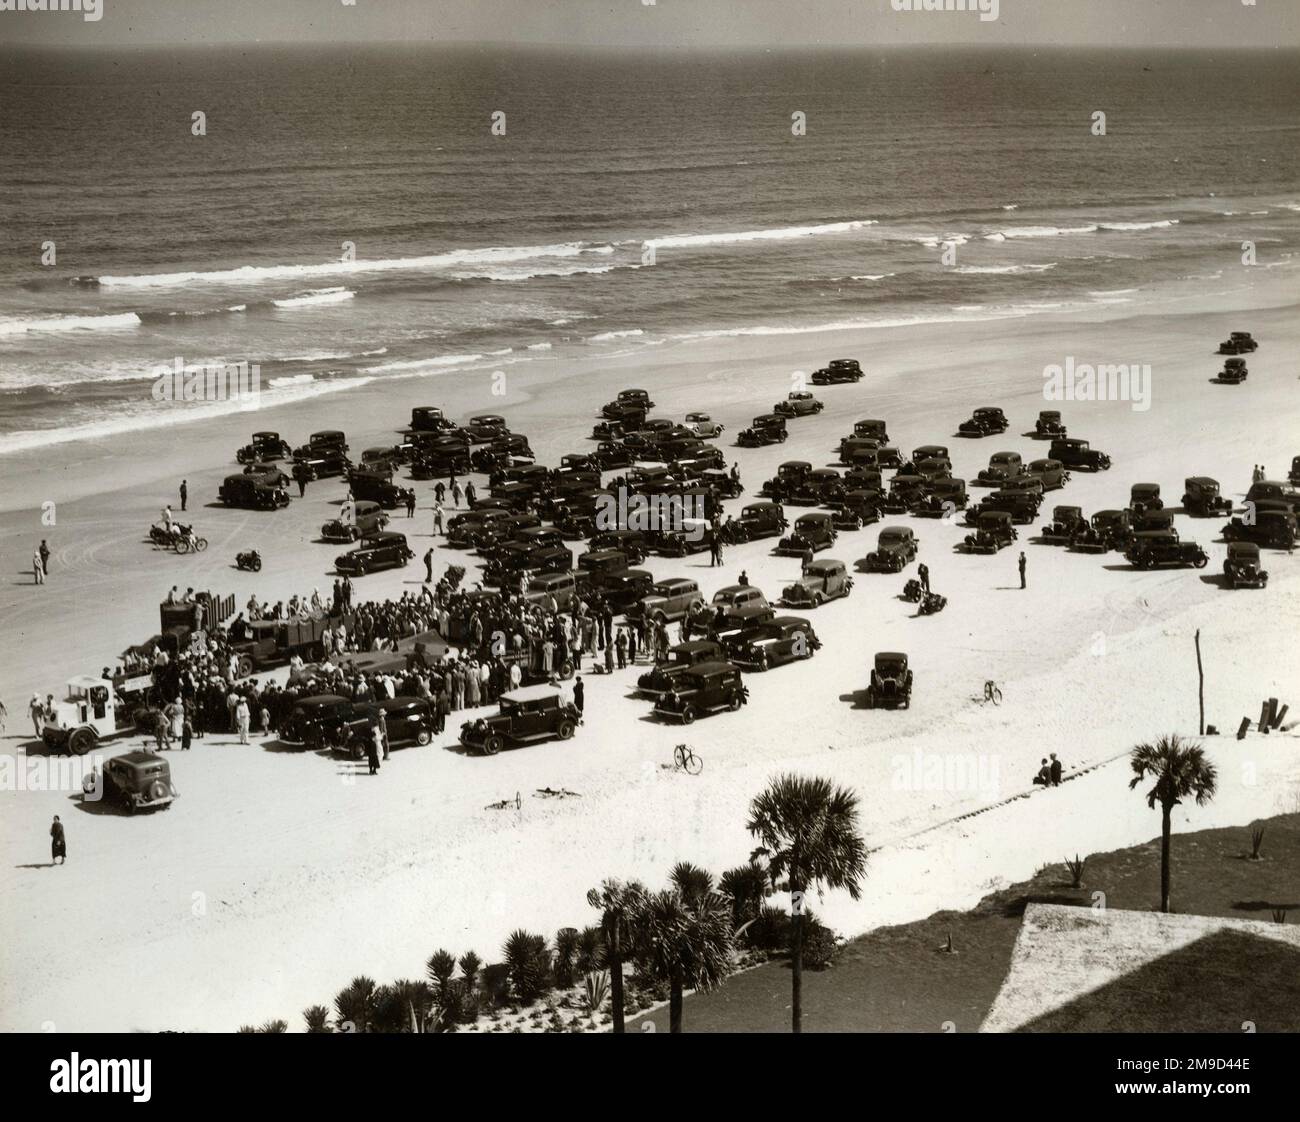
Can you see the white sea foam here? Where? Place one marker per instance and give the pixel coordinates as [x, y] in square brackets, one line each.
[417, 364]
[1007, 269]
[315, 297]
[21, 325]
[606, 336]
[781, 233]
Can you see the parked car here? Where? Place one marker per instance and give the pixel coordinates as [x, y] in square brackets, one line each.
[1003, 466]
[368, 518]
[1049, 424]
[856, 509]
[798, 403]
[139, 780]
[519, 557]
[1239, 342]
[1275, 529]
[942, 498]
[1108, 529]
[409, 720]
[319, 442]
[737, 601]
[906, 491]
[611, 455]
[631, 543]
[1074, 453]
[895, 549]
[562, 587]
[317, 721]
[1155, 548]
[837, 371]
[269, 474]
[1271, 491]
[767, 429]
[1067, 521]
[669, 599]
[323, 464]
[891, 682]
[1022, 505]
[758, 520]
[787, 479]
[820, 487]
[985, 421]
[1051, 474]
[252, 493]
[810, 533]
[1242, 569]
[681, 658]
[703, 689]
[1293, 477]
[993, 531]
[860, 451]
[931, 452]
[782, 639]
[264, 446]
[386, 550]
[703, 425]
[1145, 496]
[1201, 497]
[1234, 372]
[525, 716]
[1152, 520]
[821, 581]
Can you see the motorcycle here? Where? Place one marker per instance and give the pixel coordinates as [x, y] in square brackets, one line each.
[181, 538]
[932, 602]
[249, 559]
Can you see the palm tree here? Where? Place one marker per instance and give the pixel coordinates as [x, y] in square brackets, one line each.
[746, 887]
[808, 832]
[685, 941]
[317, 1018]
[529, 960]
[616, 901]
[1180, 770]
[354, 1005]
[690, 880]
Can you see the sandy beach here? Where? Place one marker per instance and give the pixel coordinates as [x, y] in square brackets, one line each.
[268, 850]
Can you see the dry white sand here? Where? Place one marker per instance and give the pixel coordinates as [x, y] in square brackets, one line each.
[278, 876]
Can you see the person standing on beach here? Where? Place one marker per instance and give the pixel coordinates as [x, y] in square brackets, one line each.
[37, 711]
[1021, 563]
[38, 567]
[410, 503]
[439, 492]
[1055, 771]
[58, 842]
[455, 494]
[923, 574]
[242, 719]
[373, 743]
[428, 565]
[579, 694]
[470, 493]
[437, 517]
[185, 494]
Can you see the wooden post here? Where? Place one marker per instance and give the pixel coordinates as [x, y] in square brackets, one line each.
[1279, 715]
[1241, 729]
[1263, 716]
[1200, 676]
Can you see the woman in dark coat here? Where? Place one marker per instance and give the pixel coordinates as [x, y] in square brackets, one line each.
[58, 843]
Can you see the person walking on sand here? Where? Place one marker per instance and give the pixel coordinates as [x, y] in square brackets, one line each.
[456, 494]
[38, 567]
[428, 565]
[185, 494]
[373, 743]
[437, 518]
[923, 574]
[439, 492]
[410, 503]
[45, 556]
[579, 694]
[242, 718]
[1021, 564]
[1055, 771]
[37, 711]
[382, 726]
[58, 842]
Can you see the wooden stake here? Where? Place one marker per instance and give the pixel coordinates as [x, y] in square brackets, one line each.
[1200, 676]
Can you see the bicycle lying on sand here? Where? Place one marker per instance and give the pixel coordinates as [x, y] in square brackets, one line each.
[686, 760]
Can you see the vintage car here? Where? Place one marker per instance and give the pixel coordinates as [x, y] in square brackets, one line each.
[1067, 521]
[375, 487]
[611, 455]
[798, 403]
[485, 427]
[985, 421]
[439, 460]
[327, 439]
[607, 572]
[691, 536]
[1234, 372]
[1239, 342]
[758, 520]
[631, 543]
[252, 493]
[703, 425]
[906, 491]
[681, 658]
[856, 509]
[669, 600]
[895, 549]
[704, 688]
[942, 499]
[837, 371]
[1075, 453]
[767, 429]
[525, 716]
[788, 477]
[1049, 424]
[321, 465]
[269, 474]
[264, 446]
[873, 428]
[560, 587]
[810, 533]
[1154, 548]
[821, 581]
[1021, 504]
[1293, 476]
[368, 518]
[428, 418]
[390, 455]
[1271, 491]
[864, 479]
[1003, 466]
[386, 550]
[819, 487]
[891, 682]
[1275, 529]
[860, 451]
[1201, 497]
[1241, 568]
[481, 525]
[628, 400]
[993, 531]
[620, 427]
[139, 780]
[780, 640]
[317, 721]
[931, 452]
[409, 720]
[720, 483]
[513, 559]
[1145, 496]
[1151, 520]
[1051, 474]
[933, 468]
[741, 601]
[1109, 529]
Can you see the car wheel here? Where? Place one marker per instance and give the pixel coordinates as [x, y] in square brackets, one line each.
[88, 784]
[81, 742]
[688, 715]
[734, 702]
[245, 666]
[356, 751]
[492, 745]
[565, 731]
[423, 737]
[817, 599]
[257, 565]
[1202, 561]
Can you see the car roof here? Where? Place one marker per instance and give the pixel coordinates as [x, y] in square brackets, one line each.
[711, 669]
[995, 515]
[896, 531]
[1201, 479]
[530, 693]
[696, 645]
[321, 699]
[139, 758]
[1243, 547]
[1137, 486]
[677, 582]
[824, 563]
[789, 621]
[387, 537]
[890, 656]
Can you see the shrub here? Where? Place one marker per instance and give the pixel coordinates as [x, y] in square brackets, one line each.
[746, 886]
[1256, 840]
[1076, 868]
[819, 946]
[528, 960]
[495, 983]
[317, 1018]
[591, 950]
[597, 990]
[566, 955]
[470, 964]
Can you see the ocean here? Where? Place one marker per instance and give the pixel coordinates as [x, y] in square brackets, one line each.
[634, 200]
